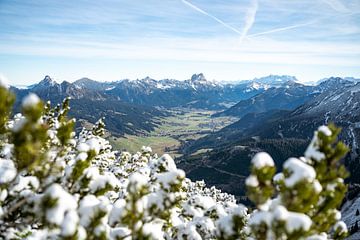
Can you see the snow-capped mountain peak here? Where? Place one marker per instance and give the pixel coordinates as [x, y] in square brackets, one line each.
[275, 79]
[198, 78]
[47, 81]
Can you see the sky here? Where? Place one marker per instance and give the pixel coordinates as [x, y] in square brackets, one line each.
[224, 39]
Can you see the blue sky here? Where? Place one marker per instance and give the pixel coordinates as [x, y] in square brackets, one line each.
[226, 40]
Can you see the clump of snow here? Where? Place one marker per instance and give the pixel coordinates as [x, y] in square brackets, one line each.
[317, 186]
[120, 233]
[167, 179]
[262, 159]
[321, 236]
[137, 181]
[117, 211]
[83, 147]
[167, 162]
[252, 181]
[188, 231]
[153, 230]
[99, 182]
[89, 207]
[312, 151]
[18, 124]
[259, 217]
[26, 182]
[325, 130]
[64, 203]
[69, 225]
[299, 171]
[225, 225]
[278, 177]
[3, 195]
[3, 81]
[280, 213]
[337, 214]
[93, 145]
[203, 202]
[82, 156]
[340, 226]
[7, 171]
[297, 221]
[30, 100]
[146, 149]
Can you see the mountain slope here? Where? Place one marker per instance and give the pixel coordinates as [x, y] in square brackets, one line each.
[93, 85]
[338, 103]
[286, 97]
[90, 105]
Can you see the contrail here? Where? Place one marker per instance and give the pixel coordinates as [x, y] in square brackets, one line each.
[337, 5]
[281, 29]
[212, 16]
[249, 19]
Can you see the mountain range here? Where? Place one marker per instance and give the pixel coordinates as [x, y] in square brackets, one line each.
[132, 106]
[274, 110]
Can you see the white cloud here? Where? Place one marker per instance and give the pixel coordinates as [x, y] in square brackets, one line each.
[221, 49]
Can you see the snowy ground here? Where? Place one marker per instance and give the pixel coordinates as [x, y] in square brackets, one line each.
[348, 212]
[355, 236]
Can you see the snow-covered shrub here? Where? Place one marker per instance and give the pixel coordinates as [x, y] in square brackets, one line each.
[307, 192]
[56, 185]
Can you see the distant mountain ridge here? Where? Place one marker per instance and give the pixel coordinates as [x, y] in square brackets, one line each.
[287, 96]
[196, 92]
[91, 103]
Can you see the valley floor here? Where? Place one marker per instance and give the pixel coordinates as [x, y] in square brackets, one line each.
[181, 126]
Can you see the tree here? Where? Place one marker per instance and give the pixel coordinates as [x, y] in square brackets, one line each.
[55, 184]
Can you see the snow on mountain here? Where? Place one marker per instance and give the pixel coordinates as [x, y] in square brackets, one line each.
[349, 79]
[93, 85]
[350, 212]
[287, 97]
[275, 80]
[339, 98]
[45, 83]
[197, 91]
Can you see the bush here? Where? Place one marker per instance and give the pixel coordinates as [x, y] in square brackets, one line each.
[56, 185]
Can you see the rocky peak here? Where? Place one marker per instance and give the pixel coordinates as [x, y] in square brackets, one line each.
[198, 77]
[334, 83]
[47, 81]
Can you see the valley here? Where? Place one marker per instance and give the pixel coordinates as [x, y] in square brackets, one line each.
[173, 132]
